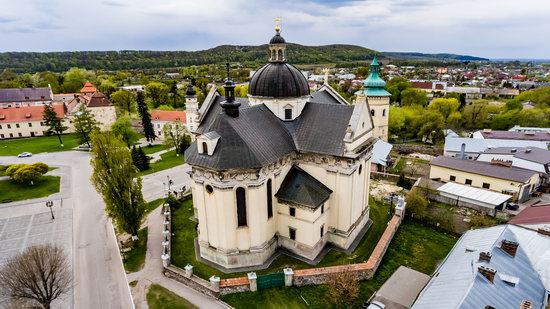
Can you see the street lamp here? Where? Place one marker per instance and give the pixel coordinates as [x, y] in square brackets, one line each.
[49, 204]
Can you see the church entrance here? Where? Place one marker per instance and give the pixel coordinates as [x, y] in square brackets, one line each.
[271, 281]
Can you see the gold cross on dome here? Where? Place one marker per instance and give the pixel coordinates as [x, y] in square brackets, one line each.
[277, 26]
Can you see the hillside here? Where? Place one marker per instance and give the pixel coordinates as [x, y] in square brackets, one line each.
[431, 57]
[247, 55]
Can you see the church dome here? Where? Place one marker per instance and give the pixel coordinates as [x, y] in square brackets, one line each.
[277, 39]
[278, 80]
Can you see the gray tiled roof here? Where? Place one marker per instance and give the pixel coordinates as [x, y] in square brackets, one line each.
[257, 137]
[534, 136]
[323, 97]
[484, 168]
[25, 94]
[301, 188]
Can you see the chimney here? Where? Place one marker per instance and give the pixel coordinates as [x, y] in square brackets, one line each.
[545, 230]
[514, 150]
[485, 256]
[501, 162]
[526, 305]
[463, 151]
[528, 150]
[510, 247]
[487, 272]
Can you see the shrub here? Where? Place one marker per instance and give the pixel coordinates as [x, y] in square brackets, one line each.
[417, 203]
[27, 173]
[40, 167]
[482, 221]
[10, 171]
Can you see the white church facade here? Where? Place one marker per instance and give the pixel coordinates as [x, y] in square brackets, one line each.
[281, 169]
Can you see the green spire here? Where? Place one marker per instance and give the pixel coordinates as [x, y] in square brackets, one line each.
[374, 84]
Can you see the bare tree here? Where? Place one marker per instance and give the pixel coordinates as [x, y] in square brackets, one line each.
[343, 287]
[38, 275]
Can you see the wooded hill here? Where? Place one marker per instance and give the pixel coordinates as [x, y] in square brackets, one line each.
[246, 55]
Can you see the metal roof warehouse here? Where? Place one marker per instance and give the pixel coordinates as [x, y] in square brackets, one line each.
[473, 195]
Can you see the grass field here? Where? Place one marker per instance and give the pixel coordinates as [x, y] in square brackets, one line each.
[414, 246]
[169, 160]
[183, 251]
[152, 149]
[35, 145]
[136, 258]
[14, 191]
[161, 298]
[152, 205]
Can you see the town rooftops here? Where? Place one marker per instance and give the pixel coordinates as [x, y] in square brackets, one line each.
[524, 276]
[536, 214]
[25, 95]
[27, 113]
[98, 99]
[477, 145]
[536, 155]
[160, 115]
[484, 168]
[301, 188]
[88, 88]
[511, 135]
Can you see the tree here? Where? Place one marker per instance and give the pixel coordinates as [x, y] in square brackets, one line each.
[116, 178]
[417, 203]
[174, 94]
[53, 122]
[475, 115]
[41, 167]
[343, 287]
[122, 128]
[10, 171]
[143, 111]
[124, 100]
[84, 124]
[144, 159]
[157, 92]
[75, 78]
[432, 128]
[39, 275]
[395, 86]
[444, 106]
[396, 120]
[137, 159]
[412, 96]
[174, 134]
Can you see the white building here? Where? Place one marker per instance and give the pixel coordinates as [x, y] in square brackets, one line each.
[160, 118]
[533, 159]
[284, 168]
[513, 136]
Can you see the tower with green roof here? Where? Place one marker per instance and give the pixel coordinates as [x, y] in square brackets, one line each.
[378, 100]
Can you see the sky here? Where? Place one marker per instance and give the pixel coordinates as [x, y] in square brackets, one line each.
[485, 28]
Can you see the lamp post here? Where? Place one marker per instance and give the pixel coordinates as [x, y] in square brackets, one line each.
[49, 204]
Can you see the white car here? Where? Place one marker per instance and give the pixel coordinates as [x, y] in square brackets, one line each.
[376, 305]
[24, 155]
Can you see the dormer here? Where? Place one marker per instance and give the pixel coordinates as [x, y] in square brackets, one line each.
[206, 143]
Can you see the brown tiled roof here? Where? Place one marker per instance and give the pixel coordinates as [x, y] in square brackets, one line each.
[99, 100]
[484, 168]
[422, 85]
[533, 215]
[168, 116]
[27, 113]
[536, 136]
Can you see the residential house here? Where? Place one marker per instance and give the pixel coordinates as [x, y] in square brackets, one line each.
[470, 148]
[505, 266]
[497, 176]
[159, 118]
[512, 136]
[24, 121]
[96, 102]
[533, 159]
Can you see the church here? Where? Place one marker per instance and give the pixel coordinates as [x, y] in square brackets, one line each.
[283, 168]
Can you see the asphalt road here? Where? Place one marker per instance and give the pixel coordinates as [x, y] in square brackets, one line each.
[154, 185]
[99, 277]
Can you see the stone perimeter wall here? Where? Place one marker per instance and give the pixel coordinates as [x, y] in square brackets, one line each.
[311, 276]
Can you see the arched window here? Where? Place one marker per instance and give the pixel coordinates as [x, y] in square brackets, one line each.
[384, 113]
[269, 199]
[241, 207]
[372, 112]
[204, 147]
[280, 55]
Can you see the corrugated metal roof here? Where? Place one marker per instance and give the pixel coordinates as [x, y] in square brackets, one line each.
[380, 152]
[512, 135]
[532, 154]
[25, 94]
[457, 284]
[474, 145]
[475, 194]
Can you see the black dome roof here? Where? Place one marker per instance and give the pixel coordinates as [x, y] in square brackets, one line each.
[278, 80]
[277, 39]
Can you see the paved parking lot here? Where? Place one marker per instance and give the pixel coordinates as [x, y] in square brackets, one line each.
[20, 232]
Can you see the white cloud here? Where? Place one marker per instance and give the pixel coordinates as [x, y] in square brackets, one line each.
[490, 28]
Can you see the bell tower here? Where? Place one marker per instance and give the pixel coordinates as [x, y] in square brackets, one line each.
[277, 45]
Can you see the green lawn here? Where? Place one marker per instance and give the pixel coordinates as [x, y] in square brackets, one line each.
[152, 149]
[169, 160]
[183, 251]
[161, 298]
[135, 259]
[45, 186]
[399, 166]
[152, 205]
[414, 246]
[35, 145]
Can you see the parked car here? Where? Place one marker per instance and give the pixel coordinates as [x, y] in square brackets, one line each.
[24, 155]
[512, 206]
[376, 305]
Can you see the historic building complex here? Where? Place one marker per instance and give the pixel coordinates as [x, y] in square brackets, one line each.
[284, 168]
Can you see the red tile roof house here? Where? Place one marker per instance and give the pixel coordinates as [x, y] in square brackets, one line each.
[536, 214]
[24, 121]
[160, 118]
[97, 103]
